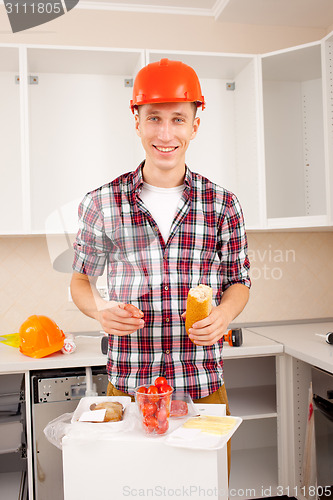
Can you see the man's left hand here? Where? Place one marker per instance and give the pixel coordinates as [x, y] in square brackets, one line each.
[209, 330]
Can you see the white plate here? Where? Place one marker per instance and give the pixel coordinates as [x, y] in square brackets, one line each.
[196, 439]
[84, 405]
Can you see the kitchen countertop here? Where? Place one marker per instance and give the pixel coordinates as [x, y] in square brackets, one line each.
[297, 340]
[301, 342]
[88, 353]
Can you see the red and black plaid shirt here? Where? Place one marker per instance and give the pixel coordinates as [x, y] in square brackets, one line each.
[207, 244]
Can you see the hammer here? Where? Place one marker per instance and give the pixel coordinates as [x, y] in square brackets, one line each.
[234, 337]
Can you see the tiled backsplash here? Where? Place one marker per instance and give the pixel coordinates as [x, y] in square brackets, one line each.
[292, 278]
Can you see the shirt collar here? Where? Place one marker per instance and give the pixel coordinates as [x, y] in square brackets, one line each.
[138, 178]
[188, 178]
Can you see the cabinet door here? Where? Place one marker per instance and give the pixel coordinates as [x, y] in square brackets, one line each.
[294, 137]
[81, 129]
[226, 147]
[11, 200]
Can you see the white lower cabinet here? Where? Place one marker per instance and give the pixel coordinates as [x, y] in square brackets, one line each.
[254, 459]
[251, 387]
[269, 392]
[13, 438]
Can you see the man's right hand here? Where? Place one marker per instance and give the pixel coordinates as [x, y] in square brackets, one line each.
[120, 319]
[116, 318]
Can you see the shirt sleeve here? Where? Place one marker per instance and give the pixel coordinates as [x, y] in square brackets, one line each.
[91, 246]
[233, 246]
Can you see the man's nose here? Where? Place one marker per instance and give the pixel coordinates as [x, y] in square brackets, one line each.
[165, 131]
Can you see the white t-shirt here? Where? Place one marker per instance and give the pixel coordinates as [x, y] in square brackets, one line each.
[162, 203]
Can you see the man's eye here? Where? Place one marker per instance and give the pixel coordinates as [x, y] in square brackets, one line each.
[153, 118]
[179, 120]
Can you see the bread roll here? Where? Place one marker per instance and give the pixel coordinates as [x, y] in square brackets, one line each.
[199, 304]
[114, 410]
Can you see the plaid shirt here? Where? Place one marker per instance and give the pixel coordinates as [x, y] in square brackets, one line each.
[207, 244]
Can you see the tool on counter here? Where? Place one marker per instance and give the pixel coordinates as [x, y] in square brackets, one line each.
[234, 337]
[328, 337]
[11, 339]
[105, 343]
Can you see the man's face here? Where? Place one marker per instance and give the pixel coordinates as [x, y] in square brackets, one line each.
[166, 130]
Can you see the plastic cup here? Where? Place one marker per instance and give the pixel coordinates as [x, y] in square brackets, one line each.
[153, 410]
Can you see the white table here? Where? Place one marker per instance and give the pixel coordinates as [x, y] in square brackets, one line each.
[130, 464]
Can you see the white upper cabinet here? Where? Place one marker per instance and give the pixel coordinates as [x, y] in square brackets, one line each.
[81, 130]
[328, 117]
[294, 142]
[226, 148]
[11, 199]
[266, 133]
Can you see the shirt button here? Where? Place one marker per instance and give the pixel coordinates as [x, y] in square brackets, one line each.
[167, 351]
[166, 288]
[167, 320]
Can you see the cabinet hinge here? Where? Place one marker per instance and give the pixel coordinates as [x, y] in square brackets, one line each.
[32, 80]
[23, 450]
[230, 86]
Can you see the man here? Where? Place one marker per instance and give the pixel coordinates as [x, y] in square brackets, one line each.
[162, 229]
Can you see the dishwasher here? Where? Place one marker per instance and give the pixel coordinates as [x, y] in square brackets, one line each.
[322, 386]
[55, 392]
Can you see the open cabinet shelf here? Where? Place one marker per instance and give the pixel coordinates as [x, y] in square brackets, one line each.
[226, 148]
[251, 389]
[10, 152]
[13, 463]
[81, 129]
[294, 137]
[253, 402]
[257, 480]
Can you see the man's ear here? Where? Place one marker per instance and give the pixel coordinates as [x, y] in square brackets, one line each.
[137, 124]
[196, 124]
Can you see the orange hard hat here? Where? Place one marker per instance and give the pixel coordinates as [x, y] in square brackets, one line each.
[166, 81]
[40, 336]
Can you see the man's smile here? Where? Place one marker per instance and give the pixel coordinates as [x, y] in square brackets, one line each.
[165, 150]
